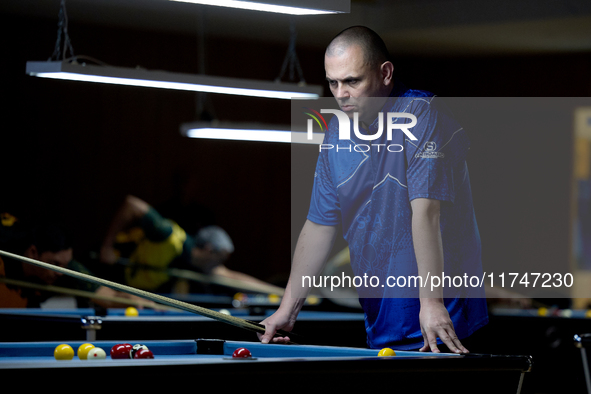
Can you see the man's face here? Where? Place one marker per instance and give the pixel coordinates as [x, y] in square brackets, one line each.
[60, 259]
[352, 80]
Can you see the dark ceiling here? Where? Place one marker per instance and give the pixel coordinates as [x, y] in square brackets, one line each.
[414, 27]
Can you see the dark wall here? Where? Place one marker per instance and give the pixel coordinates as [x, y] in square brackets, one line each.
[75, 150]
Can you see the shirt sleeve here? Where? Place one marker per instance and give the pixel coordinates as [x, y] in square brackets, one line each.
[434, 158]
[155, 227]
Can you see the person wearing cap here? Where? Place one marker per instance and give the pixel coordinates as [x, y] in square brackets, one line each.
[148, 245]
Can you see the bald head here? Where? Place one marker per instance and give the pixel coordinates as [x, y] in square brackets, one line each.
[374, 49]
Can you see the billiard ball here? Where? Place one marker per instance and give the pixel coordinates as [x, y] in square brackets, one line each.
[121, 350]
[225, 311]
[542, 311]
[83, 350]
[274, 298]
[241, 352]
[588, 313]
[386, 352]
[567, 313]
[135, 349]
[143, 353]
[96, 353]
[131, 312]
[63, 352]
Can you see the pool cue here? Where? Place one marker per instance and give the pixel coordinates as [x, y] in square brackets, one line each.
[204, 278]
[223, 281]
[85, 294]
[232, 320]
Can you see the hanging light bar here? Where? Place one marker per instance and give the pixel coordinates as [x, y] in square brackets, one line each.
[168, 80]
[248, 132]
[292, 7]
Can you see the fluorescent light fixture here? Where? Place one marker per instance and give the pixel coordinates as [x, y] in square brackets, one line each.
[168, 80]
[292, 7]
[248, 132]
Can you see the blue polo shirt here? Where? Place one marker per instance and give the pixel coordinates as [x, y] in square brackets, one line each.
[367, 186]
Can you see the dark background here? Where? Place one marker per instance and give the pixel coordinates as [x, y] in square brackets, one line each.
[73, 150]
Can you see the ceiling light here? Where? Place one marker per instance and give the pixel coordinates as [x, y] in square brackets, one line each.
[168, 80]
[248, 132]
[292, 7]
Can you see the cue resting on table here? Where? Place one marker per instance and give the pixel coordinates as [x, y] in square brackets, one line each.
[232, 320]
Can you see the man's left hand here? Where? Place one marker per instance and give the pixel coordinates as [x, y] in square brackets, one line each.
[436, 323]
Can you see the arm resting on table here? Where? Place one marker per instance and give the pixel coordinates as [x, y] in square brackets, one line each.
[312, 250]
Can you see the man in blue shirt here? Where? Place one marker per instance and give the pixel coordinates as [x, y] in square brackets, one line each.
[403, 199]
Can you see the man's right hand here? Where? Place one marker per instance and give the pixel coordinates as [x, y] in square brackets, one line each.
[311, 252]
[277, 321]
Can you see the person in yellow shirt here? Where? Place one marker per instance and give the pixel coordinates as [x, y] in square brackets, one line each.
[148, 245]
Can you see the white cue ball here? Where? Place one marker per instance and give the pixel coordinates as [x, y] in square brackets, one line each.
[96, 354]
[225, 311]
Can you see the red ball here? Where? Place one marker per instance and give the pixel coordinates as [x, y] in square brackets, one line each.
[135, 348]
[121, 350]
[143, 353]
[241, 352]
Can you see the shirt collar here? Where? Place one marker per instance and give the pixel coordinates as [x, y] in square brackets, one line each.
[397, 90]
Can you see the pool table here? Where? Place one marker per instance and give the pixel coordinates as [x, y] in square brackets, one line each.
[190, 364]
[549, 339]
[23, 325]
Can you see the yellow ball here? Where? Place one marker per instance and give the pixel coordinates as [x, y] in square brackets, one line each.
[239, 296]
[274, 298]
[63, 352]
[386, 352]
[542, 311]
[131, 311]
[83, 350]
[588, 313]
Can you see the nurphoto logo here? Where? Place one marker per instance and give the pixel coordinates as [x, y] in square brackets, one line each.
[345, 129]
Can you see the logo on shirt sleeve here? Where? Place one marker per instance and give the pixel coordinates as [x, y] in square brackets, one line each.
[430, 151]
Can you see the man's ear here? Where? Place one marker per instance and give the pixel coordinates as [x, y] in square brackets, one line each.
[387, 69]
[32, 252]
